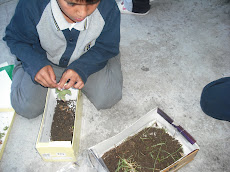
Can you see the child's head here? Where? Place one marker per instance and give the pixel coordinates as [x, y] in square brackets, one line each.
[86, 1]
[77, 10]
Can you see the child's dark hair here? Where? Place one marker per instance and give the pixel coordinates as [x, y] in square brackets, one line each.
[88, 1]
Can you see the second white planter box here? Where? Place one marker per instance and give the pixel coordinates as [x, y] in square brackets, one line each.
[189, 145]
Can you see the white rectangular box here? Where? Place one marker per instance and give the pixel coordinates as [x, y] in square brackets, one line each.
[7, 113]
[190, 148]
[59, 150]
[6, 121]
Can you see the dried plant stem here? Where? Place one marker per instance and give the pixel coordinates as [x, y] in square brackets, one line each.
[126, 165]
[156, 158]
[170, 154]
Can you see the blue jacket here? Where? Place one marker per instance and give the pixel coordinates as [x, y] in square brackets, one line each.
[35, 38]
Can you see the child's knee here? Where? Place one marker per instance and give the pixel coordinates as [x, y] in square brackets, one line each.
[214, 100]
[25, 108]
[106, 102]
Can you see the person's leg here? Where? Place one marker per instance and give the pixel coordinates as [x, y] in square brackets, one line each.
[27, 98]
[104, 88]
[138, 7]
[141, 6]
[215, 99]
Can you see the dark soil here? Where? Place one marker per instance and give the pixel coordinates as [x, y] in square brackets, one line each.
[63, 121]
[152, 149]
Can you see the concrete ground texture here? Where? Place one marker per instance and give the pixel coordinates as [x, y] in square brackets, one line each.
[167, 57]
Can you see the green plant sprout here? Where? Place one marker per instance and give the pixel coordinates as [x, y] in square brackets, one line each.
[159, 144]
[158, 158]
[126, 165]
[170, 155]
[154, 166]
[2, 135]
[62, 93]
[154, 148]
[5, 128]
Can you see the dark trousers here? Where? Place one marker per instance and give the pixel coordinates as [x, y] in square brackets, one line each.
[140, 6]
[215, 99]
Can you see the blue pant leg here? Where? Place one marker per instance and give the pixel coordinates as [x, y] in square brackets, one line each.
[215, 99]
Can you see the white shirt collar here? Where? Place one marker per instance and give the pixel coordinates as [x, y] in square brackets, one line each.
[61, 22]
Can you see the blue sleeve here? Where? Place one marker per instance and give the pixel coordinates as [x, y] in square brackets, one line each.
[106, 47]
[22, 38]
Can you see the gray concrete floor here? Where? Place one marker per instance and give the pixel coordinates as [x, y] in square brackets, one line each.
[168, 56]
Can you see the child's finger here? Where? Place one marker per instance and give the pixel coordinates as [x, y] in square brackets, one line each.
[79, 85]
[52, 75]
[44, 75]
[69, 84]
[43, 83]
[61, 83]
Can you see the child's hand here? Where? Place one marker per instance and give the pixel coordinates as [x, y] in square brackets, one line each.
[74, 80]
[46, 77]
